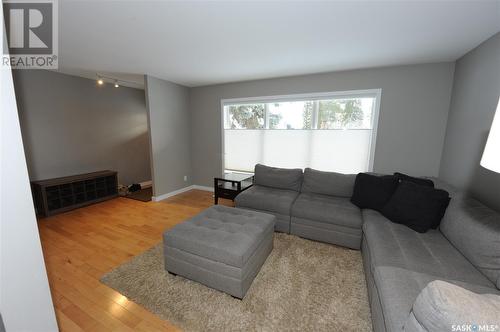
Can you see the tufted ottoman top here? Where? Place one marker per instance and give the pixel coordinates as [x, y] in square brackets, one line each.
[222, 234]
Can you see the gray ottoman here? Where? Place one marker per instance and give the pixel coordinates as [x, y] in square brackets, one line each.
[221, 247]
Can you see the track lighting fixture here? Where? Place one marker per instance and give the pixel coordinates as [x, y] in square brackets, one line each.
[116, 82]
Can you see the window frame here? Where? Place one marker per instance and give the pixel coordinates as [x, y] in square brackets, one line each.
[370, 93]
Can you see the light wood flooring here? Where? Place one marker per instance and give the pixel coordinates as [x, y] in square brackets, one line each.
[81, 245]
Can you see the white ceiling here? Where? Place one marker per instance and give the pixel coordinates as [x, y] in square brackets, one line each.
[202, 43]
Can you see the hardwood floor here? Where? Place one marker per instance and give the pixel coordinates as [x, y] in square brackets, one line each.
[82, 245]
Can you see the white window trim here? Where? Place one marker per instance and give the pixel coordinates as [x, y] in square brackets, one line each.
[377, 93]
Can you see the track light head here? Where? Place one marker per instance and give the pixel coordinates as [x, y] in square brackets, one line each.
[101, 80]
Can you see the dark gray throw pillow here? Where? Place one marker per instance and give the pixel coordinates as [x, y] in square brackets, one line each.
[418, 207]
[420, 181]
[373, 191]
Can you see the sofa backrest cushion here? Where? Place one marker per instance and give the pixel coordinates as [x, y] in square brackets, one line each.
[474, 230]
[328, 183]
[440, 184]
[281, 178]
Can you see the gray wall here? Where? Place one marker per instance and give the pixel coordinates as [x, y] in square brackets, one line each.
[413, 112]
[475, 95]
[169, 123]
[72, 126]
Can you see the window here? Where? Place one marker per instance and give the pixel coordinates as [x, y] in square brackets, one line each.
[331, 132]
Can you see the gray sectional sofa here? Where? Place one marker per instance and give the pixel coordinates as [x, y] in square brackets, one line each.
[312, 204]
[398, 261]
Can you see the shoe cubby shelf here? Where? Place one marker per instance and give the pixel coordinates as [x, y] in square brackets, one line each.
[58, 195]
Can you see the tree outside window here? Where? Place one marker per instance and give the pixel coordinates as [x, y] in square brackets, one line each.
[318, 114]
[245, 116]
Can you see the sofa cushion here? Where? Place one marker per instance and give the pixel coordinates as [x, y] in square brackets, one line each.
[328, 183]
[327, 209]
[222, 234]
[440, 305]
[474, 230]
[267, 199]
[373, 191]
[418, 207]
[420, 181]
[398, 288]
[395, 245]
[326, 232]
[281, 178]
[282, 223]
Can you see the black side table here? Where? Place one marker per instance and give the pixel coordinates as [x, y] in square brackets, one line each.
[230, 185]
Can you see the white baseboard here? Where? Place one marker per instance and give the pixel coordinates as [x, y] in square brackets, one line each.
[180, 191]
[170, 194]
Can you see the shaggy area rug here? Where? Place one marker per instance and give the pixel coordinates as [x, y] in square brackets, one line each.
[303, 286]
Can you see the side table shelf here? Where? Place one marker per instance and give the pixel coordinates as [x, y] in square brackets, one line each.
[230, 185]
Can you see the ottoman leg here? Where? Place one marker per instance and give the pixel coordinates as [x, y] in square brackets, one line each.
[174, 274]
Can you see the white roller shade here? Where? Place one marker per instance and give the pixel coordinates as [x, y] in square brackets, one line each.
[344, 151]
